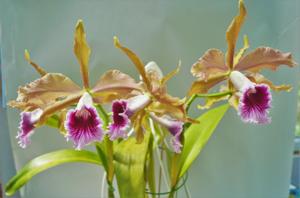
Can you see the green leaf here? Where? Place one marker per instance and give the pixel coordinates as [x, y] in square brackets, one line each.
[150, 172]
[130, 160]
[102, 153]
[197, 135]
[45, 162]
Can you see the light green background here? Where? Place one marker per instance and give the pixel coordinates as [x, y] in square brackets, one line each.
[240, 161]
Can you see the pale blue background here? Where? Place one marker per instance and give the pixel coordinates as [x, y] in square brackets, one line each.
[240, 161]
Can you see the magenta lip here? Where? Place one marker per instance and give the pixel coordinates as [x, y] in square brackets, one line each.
[118, 128]
[83, 126]
[255, 103]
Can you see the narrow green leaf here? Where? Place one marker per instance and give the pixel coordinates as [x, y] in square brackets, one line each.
[102, 153]
[197, 135]
[130, 160]
[45, 162]
[150, 172]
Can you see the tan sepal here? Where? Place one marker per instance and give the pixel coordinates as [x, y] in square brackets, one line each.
[38, 68]
[260, 79]
[82, 52]
[233, 32]
[203, 86]
[209, 101]
[170, 75]
[114, 85]
[44, 91]
[242, 51]
[211, 63]
[264, 57]
[135, 60]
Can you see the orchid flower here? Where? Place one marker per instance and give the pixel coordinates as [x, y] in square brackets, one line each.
[26, 128]
[167, 110]
[253, 99]
[123, 110]
[53, 94]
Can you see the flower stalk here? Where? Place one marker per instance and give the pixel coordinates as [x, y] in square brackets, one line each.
[109, 164]
[174, 174]
[194, 96]
[110, 173]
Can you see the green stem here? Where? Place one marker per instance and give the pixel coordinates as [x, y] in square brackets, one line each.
[110, 172]
[109, 152]
[103, 184]
[104, 116]
[172, 193]
[160, 172]
[174, 174]
[194, 96]
[187, 192]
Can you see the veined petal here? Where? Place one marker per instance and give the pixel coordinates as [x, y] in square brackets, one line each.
[211, 63]
[135, 60]
[203, 86]
[44, 91]
[83, 124]
[175, 128]
[260, 79]
[254, 104]
[39, 69]
[82, 52]
[114, 85]
[233, 32]
[27, 126]
[121, 122]
[264, 57]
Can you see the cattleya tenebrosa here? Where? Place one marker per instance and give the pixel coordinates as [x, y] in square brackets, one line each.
[250, 91]
[53, 93]
[154, 101]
